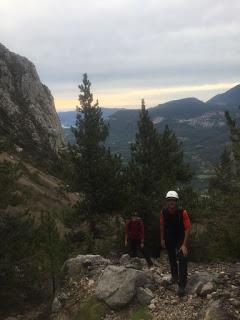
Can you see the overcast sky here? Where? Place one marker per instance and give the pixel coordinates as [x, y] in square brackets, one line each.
[131, 49]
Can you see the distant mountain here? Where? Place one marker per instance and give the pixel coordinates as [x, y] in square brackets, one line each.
[68, 118]
[228, 98]
[200, 126]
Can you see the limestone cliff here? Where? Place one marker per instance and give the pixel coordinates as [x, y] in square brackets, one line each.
[27, 111]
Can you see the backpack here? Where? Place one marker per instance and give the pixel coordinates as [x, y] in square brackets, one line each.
[173, 235]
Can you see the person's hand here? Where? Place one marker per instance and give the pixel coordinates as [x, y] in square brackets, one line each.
[184, 250]
[163, 244]
[142, 245]
[126, 243]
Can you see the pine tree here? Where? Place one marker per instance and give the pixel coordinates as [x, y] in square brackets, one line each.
[98, 173]
[175, 171]
[156, 163]
[16, 237]
[224, 191]
[221, 185]
[145, 169]
[51, 248]
[235, 140]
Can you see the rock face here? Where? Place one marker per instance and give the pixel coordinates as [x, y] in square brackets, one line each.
[118, 285]
[27, 111]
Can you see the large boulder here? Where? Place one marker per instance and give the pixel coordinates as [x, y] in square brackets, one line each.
[27, 111]
[118, 285]
[74, 267]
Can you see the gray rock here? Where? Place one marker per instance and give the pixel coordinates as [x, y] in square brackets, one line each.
[118, 285]
[235, 302]
[157, 279]
[165, 280]
[63, 297]
[56, 305]
[197, 280]
[144, 296]
[137, 263]
[10, 318]
[215, 312]
[125, 259]
[27, 110]
[76, 266]
[152, 306]
[206, 289]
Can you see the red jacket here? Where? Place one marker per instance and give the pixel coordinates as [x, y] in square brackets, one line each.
[135, 229]
[186, 220]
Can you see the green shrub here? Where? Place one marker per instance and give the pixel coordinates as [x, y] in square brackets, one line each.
[141, 313]
[91, 309]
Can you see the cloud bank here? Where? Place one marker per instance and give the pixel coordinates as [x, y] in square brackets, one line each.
[129, 48]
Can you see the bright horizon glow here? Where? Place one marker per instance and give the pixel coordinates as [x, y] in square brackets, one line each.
[130, 98]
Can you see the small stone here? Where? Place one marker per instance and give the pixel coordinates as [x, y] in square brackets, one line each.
[63, 296]
[56, 305]
[234, 302]
[91, 282]
[125, 259]
[144, 296]
[152, 306]
[206, 289]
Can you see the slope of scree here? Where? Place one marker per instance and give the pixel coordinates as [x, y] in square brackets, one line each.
[37, 190]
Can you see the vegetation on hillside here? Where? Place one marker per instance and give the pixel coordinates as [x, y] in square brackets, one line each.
[32, 252]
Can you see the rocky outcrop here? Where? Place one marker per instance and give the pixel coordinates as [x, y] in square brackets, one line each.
[83, 264]
[213, 290]
[27, 111]
[118, 285]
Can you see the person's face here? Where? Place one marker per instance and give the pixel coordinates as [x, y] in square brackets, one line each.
[135, 215]
[172, 203]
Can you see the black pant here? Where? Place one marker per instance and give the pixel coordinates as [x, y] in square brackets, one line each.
[178, 265]
[134, 246]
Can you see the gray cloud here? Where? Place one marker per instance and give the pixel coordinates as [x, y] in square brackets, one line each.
[125, 43]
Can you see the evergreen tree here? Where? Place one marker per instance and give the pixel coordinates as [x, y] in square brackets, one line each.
[51, 248]
[156, 163]
[174, 170]
[221, 185]
[235, 140]
[16, 237]
[98, 173]
[224, 191]
[155, 166]
[145, 167]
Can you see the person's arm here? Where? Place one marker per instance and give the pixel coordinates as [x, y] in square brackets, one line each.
[163, 245]
[142, 235]
[126, 233]
[187, 226]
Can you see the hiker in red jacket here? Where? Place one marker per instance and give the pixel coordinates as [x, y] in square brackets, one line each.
[175, 226]
[134, 237]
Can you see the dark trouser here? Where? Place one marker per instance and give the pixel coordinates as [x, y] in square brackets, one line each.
[134, 246]
[178, 266]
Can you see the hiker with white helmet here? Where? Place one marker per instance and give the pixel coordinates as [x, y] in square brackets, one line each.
[175, 226]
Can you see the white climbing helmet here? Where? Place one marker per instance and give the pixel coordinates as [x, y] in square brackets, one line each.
[172, 194]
